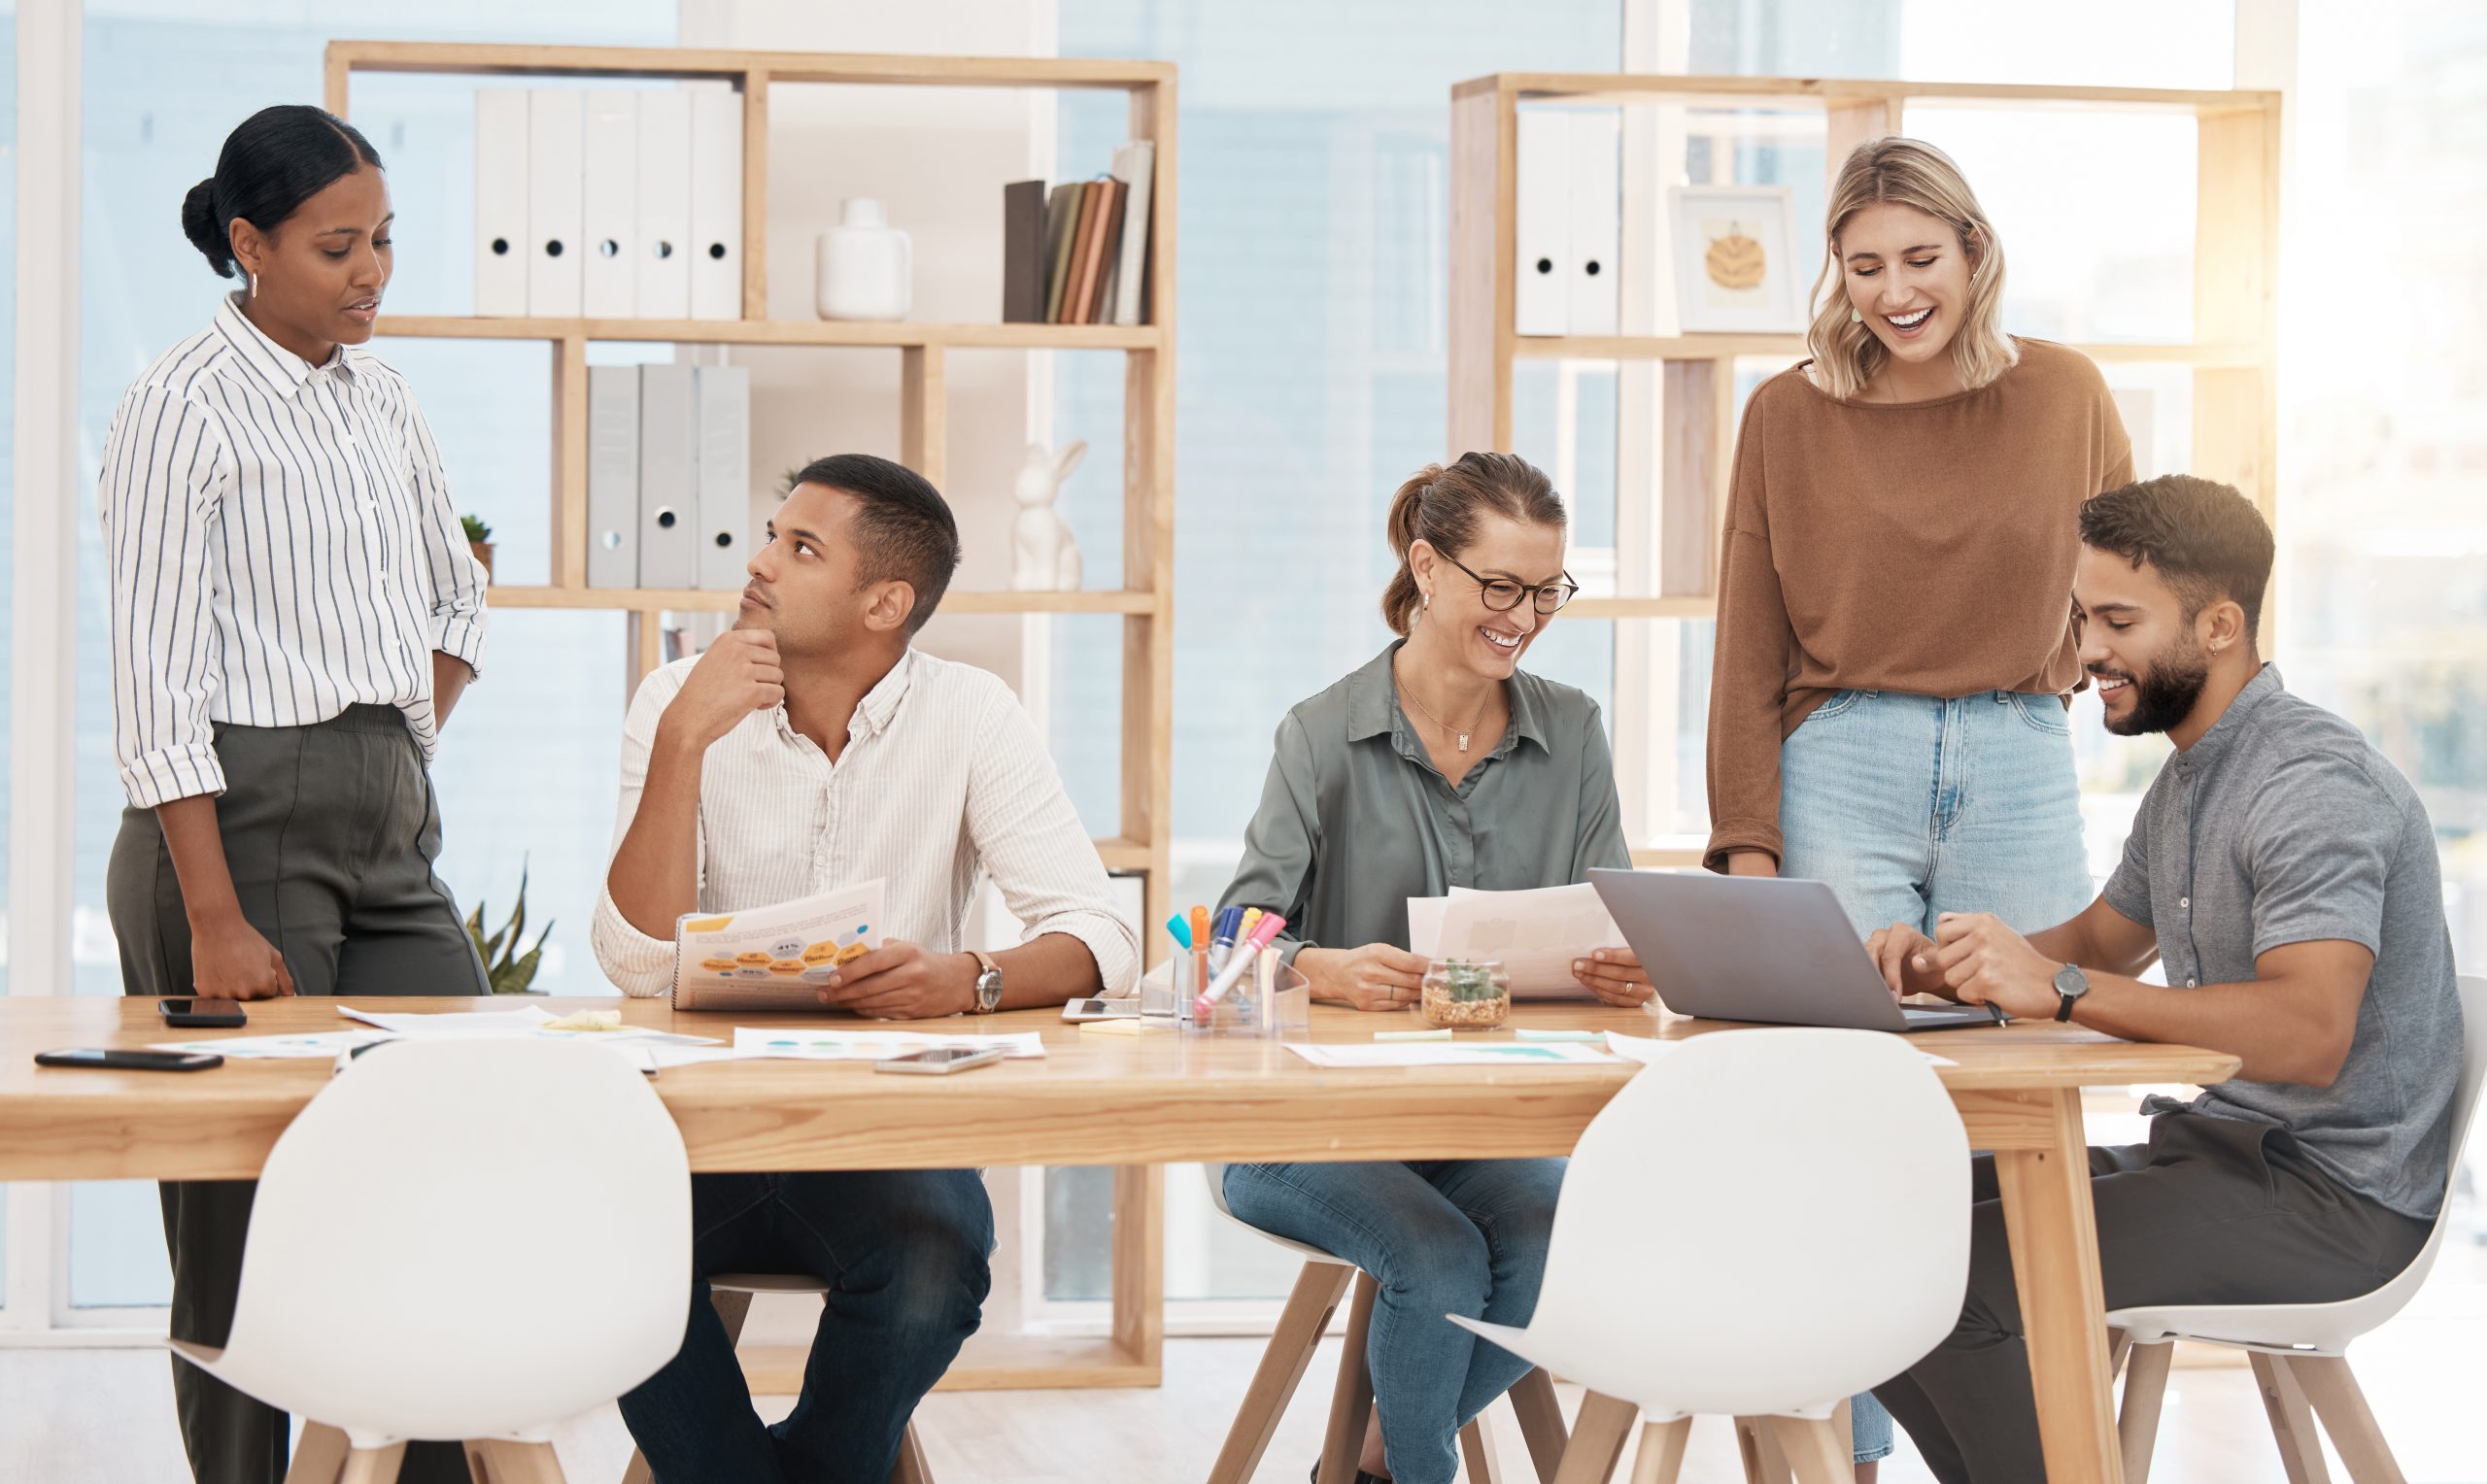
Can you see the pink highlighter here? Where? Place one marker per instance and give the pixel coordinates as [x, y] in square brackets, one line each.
[1264, 932]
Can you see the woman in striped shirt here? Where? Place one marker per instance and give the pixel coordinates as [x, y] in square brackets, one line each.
[295, 612]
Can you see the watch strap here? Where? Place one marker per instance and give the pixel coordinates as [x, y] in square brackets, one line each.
[986, 968]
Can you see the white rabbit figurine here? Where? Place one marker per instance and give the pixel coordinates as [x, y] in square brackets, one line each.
[1044, 556]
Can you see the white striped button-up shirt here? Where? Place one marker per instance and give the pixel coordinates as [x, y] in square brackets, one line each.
[282, 546]
[943, 778]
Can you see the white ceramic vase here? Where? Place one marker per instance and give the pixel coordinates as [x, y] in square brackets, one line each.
[864, 267]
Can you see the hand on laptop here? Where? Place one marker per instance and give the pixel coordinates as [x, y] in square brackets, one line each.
[1906, 959]
[1986, 963]
[1615, 976]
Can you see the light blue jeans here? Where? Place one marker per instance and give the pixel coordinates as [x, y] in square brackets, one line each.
[1440, 1237]
[1911, 806]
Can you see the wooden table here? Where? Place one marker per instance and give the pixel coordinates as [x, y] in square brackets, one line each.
[1138, 1103]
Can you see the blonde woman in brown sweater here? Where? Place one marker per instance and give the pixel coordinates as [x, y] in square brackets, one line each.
[1895, 641]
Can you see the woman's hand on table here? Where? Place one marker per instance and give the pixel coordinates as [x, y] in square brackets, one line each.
[1374, 977]
[1615, 976]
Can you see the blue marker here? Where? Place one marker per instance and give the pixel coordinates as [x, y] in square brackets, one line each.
[1221, 943]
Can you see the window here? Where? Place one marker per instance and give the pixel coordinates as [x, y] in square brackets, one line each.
[161, 93]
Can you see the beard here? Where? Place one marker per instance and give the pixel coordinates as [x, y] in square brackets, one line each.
[2163, 695]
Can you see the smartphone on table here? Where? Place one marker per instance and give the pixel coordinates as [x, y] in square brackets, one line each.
[205, 1014]
[941, 1059]
[134, 1060]
[1101, 1009]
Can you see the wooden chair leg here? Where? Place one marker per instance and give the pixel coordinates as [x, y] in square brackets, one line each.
[1540, 1423]
[2333, 1388]
[1318, 1288]
[2292, 1421]
[1766, 1462]
[637, 1473]
[373, 1466]
[1660, 1460]
[1477, 1452]
[319, 1455]
[479, 1468]
[910, 1468]
[1352, 1398]
[2145, 1392]
[1597, 1440]
[2119, 1348]
[517, 1463]
[1813, 1450]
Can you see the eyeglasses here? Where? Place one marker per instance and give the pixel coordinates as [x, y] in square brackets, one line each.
[1501, 594]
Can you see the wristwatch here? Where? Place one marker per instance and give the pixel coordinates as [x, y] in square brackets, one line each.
[988, 983]
[2070, 985]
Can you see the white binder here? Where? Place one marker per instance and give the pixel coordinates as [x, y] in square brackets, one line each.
[501, 134]
[1597, 222]
[610, 207]
[613, 476]
[664, 289]
[554, 119]
[1541, 301]
[668, 488]
[716, 205]
[725, 476]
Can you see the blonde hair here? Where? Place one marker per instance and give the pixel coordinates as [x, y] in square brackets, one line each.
[1907, 172]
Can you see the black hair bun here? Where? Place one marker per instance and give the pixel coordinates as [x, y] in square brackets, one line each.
[206, 233]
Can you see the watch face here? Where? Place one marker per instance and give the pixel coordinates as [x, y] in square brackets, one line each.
[2070, 980]
[988, 988]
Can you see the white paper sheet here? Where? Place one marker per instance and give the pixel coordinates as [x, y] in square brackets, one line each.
[1451, 1054]
[323, 1046]
[1648, 1050]
[1535, 933]
[816, 1043]
[774, 958]
[527, 1019]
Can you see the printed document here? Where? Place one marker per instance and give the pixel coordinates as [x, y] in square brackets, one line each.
[774, 958]
[1535, 933]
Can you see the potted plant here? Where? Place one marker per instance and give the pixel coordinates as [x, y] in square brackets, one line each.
[479, 540]
[505, 968]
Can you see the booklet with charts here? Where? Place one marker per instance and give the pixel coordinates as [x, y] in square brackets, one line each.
[772, 958]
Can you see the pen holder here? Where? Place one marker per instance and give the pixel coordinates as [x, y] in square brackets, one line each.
[1285, 1015]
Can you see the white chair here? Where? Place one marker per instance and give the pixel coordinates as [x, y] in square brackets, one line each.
[731, 1293]
[1318, 1288]
[1696, 1269]
[460, 1241]
[2299, 1351]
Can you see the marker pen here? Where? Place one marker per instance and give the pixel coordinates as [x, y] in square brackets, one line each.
[1221, 940]
[1263, 933]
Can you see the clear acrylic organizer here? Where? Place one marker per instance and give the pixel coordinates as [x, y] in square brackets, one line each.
[1287, 1015]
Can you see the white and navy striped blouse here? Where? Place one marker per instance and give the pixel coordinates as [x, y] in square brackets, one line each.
[282, 546]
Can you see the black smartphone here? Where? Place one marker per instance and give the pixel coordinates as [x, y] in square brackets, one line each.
[205, 1014]
[132, 1061]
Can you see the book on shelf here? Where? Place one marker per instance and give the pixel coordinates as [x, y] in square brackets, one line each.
[1079, 253]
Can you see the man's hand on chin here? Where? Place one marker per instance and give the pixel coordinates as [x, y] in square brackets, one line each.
[1985, 962]
[901, 981]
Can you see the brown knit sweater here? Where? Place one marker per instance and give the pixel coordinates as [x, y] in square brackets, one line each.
[1924, 547]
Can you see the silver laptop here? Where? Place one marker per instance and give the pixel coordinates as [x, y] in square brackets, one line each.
[1755, 948]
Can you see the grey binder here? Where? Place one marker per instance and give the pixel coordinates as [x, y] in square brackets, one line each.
[668, 479]
[613, 476]
[724, 477]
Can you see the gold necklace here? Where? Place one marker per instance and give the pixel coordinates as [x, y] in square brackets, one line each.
[1443, 726]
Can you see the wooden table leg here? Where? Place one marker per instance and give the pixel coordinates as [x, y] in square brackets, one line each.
[2055, 1260]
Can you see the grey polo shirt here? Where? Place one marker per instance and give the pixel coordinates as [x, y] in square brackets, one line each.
[2282, 826]
[1355, 819]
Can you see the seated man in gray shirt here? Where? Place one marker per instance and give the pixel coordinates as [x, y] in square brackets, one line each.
[2285, 877]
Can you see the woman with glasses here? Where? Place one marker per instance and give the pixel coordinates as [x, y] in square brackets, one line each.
[1437, 764]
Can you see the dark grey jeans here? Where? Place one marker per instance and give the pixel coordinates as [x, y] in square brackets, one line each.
[331, 832]
[2211, 1210]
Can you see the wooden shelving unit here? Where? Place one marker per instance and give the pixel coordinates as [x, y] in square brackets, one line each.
[2233, 355]
[1130, 1355]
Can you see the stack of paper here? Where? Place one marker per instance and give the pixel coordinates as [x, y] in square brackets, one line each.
[1535, 934]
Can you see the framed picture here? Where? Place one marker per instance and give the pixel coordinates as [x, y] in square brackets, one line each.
[1736, 267]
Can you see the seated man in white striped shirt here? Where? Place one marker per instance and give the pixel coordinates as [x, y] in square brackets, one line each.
[809, 746]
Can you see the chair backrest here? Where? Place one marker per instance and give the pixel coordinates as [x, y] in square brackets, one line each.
[2357, 1316]
[428, 1258]
[1764, 1219]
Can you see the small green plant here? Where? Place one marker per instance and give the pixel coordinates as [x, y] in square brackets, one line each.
[476, 531]
[505, 968]
[1466, 981]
